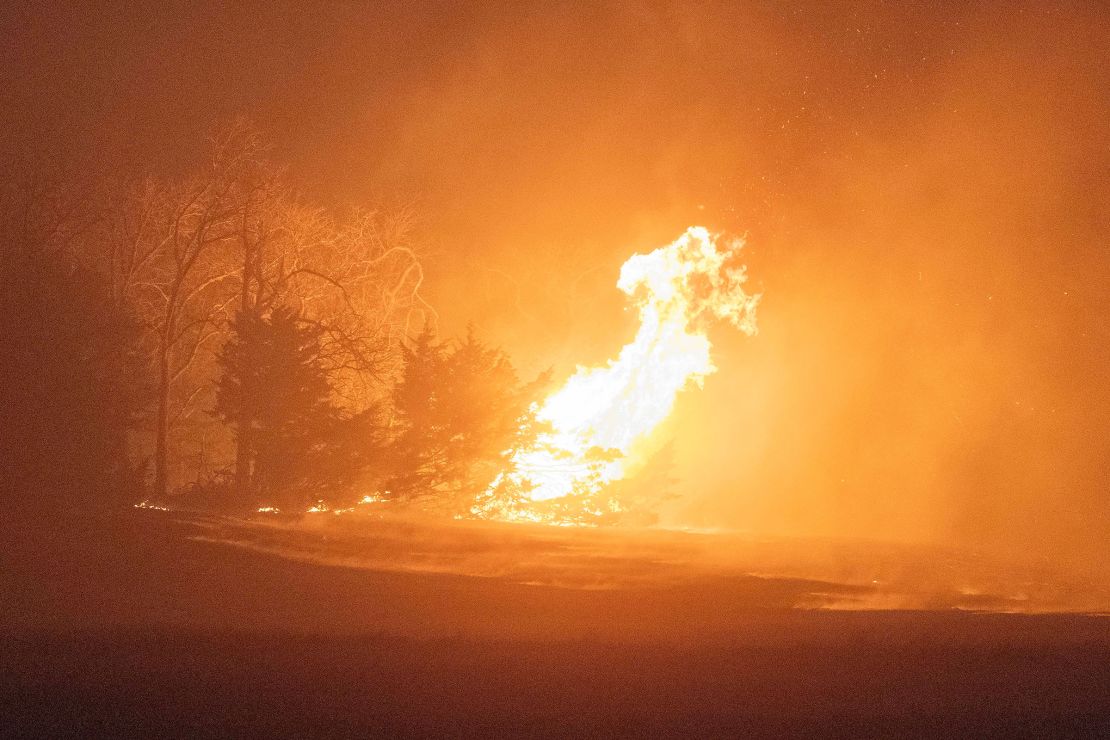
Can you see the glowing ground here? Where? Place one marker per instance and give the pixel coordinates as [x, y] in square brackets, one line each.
[333, 626]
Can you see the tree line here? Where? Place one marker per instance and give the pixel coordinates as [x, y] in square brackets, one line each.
[218, 338]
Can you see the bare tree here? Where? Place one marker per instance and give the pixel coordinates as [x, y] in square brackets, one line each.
[168, 252]
[358, 282]
[236, 238]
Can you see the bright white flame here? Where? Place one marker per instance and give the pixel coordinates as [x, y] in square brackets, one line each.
[600, 415]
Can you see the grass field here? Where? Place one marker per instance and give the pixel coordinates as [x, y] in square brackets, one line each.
[165, 624]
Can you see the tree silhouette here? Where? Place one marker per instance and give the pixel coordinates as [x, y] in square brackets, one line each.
[232, 235]
[273, 381]
[71, 387]
[419, 431]
[459, 411]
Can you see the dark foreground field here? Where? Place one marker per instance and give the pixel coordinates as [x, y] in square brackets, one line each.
[155, 625]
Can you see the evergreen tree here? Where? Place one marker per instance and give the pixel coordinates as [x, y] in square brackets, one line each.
[486, 409]
[274, 380]
[416, 453]
[354, 456]
[459, 411]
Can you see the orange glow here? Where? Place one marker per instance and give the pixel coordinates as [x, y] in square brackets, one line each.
[598, 422]
[321, 507]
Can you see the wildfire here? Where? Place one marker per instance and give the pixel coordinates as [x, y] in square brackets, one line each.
[320, 507]
[599, 420]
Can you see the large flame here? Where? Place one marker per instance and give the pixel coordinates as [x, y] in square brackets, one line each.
[598, 420]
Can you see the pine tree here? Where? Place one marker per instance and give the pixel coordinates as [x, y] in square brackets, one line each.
[459, 411]
[273, 377]
[417, 451]
[486, 409]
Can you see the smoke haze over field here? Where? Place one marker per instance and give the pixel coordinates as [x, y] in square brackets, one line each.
[923, 192]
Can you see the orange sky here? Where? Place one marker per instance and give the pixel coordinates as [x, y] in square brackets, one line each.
[924, 191]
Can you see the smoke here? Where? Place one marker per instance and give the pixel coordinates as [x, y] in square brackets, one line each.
[922, 189]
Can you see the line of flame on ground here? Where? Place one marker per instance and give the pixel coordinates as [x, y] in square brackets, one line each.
[600, 419]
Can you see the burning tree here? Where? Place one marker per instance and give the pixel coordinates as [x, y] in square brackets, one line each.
[599, 423]
[460, 411]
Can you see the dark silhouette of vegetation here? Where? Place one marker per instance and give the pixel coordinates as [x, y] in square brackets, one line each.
[240, 346]
[71, 386]
[459, 412]
[275, 393]
[187, 254]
